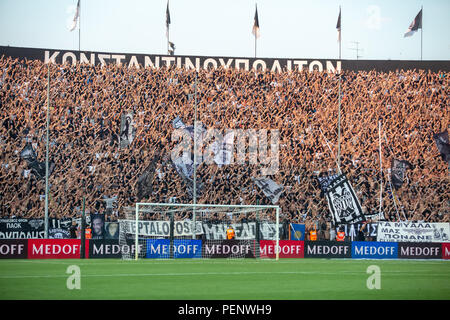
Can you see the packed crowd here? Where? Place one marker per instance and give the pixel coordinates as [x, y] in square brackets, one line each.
[87, 103]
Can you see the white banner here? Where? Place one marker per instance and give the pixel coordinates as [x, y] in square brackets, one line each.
[162, 228]
[413, 232]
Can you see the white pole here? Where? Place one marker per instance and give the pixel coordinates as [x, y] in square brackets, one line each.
[194, 198]
[381, 169]
[331, 151]
[46, 152]
[277, 243]
[136, 240]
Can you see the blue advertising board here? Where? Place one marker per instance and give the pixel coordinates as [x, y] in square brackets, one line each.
[187, 248]
[182, 248]
[158, 248]
[374, 250]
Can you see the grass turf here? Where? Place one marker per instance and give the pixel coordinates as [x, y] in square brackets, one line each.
[221, 279]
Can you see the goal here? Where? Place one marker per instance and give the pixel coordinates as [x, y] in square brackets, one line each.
[171, 230]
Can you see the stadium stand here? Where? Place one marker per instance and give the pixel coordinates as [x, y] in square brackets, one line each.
[87, 103]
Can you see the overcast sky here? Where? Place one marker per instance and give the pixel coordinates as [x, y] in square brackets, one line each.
[288, 28]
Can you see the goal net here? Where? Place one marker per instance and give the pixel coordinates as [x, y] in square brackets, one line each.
[169, 230]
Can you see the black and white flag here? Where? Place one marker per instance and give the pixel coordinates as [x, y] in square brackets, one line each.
[75, 18]
[127, 130]
[398, 171]
[415, 25]
[342, 201]
[443, 145]
[270, 188]
[255, 29]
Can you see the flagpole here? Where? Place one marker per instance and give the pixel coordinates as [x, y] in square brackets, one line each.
[421, 34]
[46, 151]
[381, 169]
[340, 34]
[339, 98]
[255, 45]
[194, 197]
[79, 31]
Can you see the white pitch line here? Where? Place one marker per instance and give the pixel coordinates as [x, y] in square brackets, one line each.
[425, 273]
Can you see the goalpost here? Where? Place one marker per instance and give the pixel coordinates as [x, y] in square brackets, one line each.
[173, 230]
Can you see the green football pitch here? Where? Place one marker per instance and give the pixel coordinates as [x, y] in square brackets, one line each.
[222, 279]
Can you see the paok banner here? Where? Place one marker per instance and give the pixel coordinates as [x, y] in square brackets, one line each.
[342, 201]
[21, 228]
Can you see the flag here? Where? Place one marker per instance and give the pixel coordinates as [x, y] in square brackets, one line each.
[167, 20]
[270, 188]
[415, 25]
[398, 170]
[298, 231]
[255, 30]
[443, 145]
[172, 48]
[127, 130]
[338, 25]
[342, 201]
[75, 18]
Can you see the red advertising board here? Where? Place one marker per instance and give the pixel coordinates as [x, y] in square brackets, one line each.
[55, 248]
[286, 249]
[446, 250]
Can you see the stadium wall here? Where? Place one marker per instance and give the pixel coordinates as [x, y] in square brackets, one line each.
[159, 248]
[205, 62]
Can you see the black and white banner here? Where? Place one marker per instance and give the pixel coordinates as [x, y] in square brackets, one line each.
[207, 62]
[342, 201]
[243, 231]
[162, 228]
[413, 232]
[325, 181]
[21, 228]
[210, 231]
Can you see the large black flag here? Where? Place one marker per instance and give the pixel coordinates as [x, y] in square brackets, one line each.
[398, 170]
[415, 25]
[443, 145]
